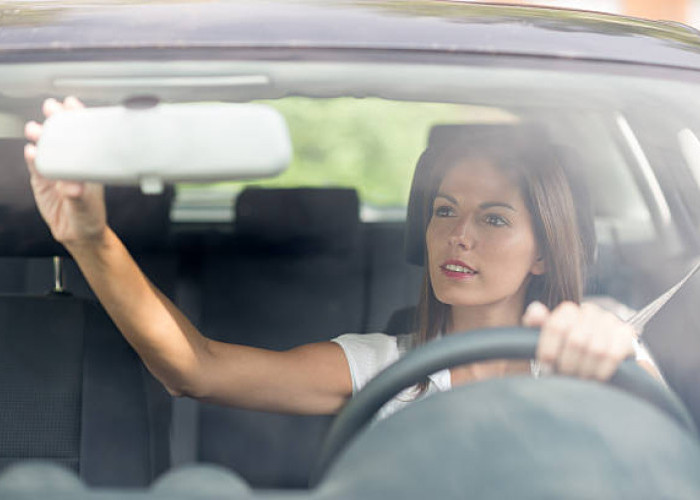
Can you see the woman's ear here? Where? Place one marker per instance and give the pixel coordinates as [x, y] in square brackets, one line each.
[538, 266]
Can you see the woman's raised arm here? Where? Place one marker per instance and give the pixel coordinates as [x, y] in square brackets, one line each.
[314, 378]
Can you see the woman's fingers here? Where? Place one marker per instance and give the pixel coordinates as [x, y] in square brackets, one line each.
[610, 341]
[535, 315]
[51, 106]
[72, 102]
[554, 332]
[588, 344]
[621, 347]
[596, 361]
[74, 211]
[29, 158]
[70, 189]
[32, 131]
[583, 341]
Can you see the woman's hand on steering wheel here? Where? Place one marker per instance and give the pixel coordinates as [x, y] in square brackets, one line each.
[580, 340]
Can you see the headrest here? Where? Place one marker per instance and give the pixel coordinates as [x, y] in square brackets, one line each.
[142, 221]
[505, 142]
[298, 221]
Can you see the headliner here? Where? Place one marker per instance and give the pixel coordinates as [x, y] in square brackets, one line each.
[44, 27]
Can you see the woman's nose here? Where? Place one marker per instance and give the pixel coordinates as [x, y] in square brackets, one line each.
[463, 235]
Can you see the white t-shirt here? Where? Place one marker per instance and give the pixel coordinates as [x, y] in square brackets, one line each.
[370, 353]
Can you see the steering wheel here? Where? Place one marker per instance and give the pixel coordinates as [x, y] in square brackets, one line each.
[464, 348]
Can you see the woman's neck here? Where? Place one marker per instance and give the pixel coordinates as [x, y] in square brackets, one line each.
[463, 318]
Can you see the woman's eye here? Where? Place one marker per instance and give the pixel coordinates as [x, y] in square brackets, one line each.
[496, 220]
[443, 211]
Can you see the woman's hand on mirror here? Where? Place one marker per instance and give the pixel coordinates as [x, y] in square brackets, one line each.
[580, 340]
[74, 211]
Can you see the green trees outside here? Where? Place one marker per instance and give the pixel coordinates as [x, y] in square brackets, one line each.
[369, 144]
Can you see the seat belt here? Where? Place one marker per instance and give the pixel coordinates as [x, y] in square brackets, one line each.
[639, 320]
[642, 317]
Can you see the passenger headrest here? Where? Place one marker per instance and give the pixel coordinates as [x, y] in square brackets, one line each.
[298, 221]
[142, 221]
[506, 143]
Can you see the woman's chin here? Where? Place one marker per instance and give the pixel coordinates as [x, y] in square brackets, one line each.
[461, 300]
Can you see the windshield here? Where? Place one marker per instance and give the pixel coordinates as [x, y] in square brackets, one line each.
[320, 250]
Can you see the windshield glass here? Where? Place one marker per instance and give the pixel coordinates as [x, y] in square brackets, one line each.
[327, 247]
[632, 139]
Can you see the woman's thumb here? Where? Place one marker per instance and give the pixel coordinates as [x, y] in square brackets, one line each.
[70, 189]
[535, 315]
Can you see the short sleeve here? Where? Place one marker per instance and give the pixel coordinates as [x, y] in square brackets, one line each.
[367, 355]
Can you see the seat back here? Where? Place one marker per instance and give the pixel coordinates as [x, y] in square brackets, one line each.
[392, 282]
[293, 274]
[73, 392]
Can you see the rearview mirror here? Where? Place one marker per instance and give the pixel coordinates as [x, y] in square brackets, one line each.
[165, 143]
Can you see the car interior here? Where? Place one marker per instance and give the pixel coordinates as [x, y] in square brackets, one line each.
[276, 264]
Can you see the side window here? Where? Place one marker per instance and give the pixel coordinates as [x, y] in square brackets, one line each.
[689, 145]
[588, 140]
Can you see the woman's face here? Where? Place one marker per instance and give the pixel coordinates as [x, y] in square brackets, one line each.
[480, 240]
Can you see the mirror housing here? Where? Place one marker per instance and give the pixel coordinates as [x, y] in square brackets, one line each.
[193, 142]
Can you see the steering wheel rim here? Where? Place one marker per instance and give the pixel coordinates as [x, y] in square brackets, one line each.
[464, 348]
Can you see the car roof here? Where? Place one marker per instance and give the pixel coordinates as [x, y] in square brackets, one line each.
[64, 28]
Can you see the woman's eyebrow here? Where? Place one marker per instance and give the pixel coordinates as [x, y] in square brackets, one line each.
[449, 198]
[490, 204]
[483, 206]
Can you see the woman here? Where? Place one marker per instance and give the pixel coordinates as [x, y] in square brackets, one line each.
[486, 247]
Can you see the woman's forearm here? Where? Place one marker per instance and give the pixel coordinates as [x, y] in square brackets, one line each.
[170, 346]
[310, 379]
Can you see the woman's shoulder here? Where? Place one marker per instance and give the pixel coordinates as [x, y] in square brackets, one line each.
[380, 345]
[369, 348]
[369, 353]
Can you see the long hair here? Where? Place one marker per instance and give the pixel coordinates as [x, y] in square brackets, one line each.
[562, 221]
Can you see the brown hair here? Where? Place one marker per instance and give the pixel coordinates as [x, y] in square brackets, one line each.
[564, 235]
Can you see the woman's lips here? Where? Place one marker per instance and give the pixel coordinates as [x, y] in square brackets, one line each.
[458, 270]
